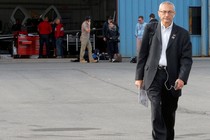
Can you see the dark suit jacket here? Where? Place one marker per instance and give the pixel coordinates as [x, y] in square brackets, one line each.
[153, 20]
[178, 54]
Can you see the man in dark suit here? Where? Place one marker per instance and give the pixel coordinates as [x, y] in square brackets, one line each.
[163, 68]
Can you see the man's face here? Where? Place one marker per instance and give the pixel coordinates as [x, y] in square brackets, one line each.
[57, 21]
[88, 21]
[140, 20]
[166, 14]
[46, 19]
[111, 24]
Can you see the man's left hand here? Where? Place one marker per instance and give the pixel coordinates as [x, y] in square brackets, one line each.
[179, 84]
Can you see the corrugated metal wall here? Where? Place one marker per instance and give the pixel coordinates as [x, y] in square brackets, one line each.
[129, 10]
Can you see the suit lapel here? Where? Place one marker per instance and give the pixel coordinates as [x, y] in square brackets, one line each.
[172, 36]
[158, 33]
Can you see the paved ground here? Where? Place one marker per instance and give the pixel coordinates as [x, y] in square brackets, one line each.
[59, 100]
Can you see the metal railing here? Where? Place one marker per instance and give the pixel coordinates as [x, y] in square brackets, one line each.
[75, 41]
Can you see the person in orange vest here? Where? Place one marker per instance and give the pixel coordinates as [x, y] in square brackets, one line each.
[44, 29]
[59, 34]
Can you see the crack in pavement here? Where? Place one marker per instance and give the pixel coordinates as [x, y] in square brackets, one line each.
[113, 84]
[180, 109]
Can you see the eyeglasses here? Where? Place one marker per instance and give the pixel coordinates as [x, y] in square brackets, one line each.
[169, 12]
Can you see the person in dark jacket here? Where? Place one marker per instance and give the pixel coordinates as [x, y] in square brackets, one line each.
[17, 26]
[112, 40]
[163, 68]
[104, 31]
[152, 18]
[106, 26]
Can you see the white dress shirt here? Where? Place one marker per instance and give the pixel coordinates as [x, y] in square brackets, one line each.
[165, 34]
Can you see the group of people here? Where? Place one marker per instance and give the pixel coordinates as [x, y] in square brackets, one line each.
[56, 30]
[52, 34]
[139, 30]
[110, 36]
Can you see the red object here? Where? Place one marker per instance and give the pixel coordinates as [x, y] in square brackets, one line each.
[29, 45]
[16, 33]
[59, 31]
[44, 28]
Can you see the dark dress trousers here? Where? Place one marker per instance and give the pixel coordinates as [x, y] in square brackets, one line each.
[179, 61]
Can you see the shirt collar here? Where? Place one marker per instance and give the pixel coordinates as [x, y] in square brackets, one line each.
[169, 27]
[141, 23]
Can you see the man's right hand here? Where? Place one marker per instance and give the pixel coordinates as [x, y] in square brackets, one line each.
[104, 38]
[139, 83]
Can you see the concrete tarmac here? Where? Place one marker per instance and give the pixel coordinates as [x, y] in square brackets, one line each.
[62, 100]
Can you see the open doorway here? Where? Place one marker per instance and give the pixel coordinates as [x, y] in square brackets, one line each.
[72, 13]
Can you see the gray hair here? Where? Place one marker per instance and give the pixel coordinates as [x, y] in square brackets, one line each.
[167, 2]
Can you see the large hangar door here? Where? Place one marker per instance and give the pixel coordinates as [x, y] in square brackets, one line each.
[72, 12]
[75, 12]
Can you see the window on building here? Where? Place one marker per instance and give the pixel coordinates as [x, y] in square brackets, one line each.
[195, 20]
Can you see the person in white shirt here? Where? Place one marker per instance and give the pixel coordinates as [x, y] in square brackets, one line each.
[139, 31]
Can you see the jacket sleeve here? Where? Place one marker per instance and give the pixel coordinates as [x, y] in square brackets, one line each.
[57, 32]
[186, 58]
[143, 54]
